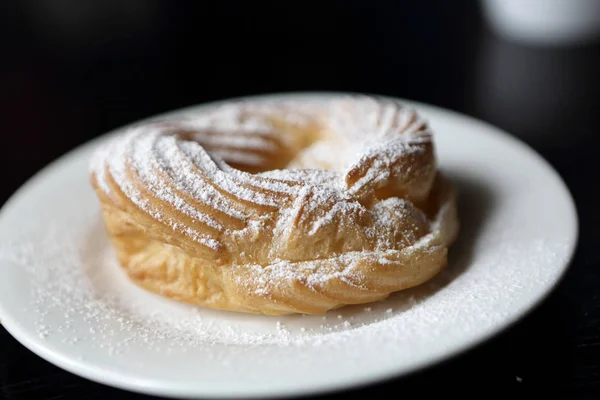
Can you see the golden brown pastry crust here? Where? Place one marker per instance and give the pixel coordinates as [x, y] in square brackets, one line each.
[199, 209]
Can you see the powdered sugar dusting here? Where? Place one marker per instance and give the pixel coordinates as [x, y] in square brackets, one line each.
[117, 164]
[383, 159]
[236, 141]
[226, 182]
[147, 165]
[185, 176]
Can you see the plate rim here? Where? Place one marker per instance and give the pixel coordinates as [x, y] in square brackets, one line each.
[145, 386]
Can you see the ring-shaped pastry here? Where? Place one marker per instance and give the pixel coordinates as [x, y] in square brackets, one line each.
[278, 207]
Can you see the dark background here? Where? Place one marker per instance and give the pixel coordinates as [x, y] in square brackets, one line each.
[73, 69]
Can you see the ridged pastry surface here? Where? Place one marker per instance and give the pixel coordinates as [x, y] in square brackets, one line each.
[278, 207]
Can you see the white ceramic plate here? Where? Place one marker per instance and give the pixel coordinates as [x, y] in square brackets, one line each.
[63, 297]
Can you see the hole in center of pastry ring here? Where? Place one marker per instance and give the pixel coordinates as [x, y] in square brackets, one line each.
[250, 191]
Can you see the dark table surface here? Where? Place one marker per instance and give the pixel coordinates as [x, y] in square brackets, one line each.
[72, 70]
